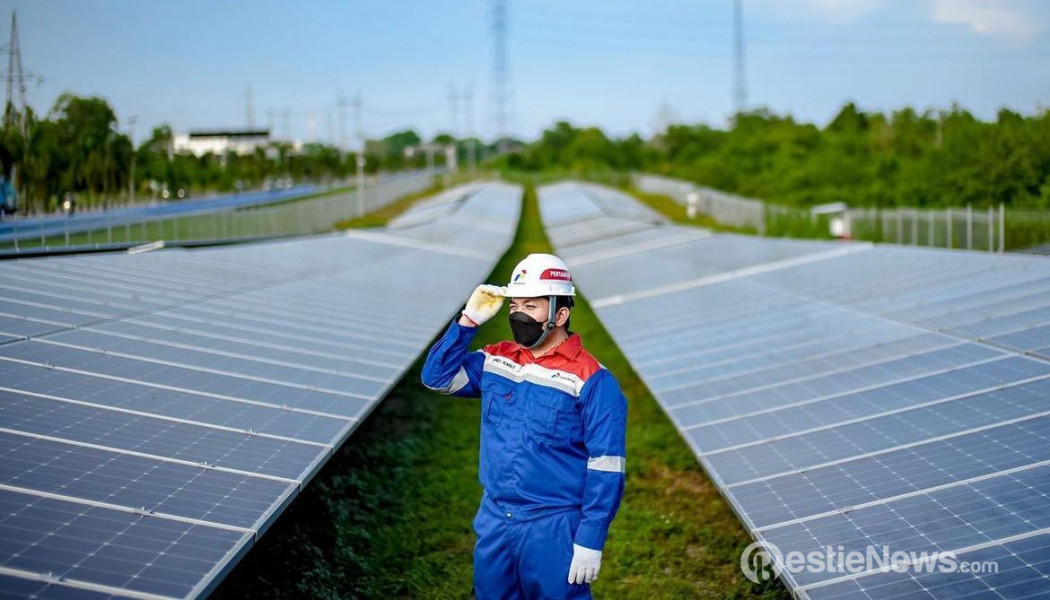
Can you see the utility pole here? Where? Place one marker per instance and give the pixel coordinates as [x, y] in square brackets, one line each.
[740, 84]
[250, 108]
[285, 124]
[501, 76]
[340, 104]
[455, 132]
[358, 107]
[453, 110]
[132, 120]
[468, 100]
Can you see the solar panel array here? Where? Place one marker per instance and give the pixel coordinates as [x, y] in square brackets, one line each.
[842, 395]
[159, 410]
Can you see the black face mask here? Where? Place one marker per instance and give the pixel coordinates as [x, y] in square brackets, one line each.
[527, 331]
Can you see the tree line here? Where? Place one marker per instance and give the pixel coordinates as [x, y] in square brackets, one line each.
[79, 147]
[935, 158]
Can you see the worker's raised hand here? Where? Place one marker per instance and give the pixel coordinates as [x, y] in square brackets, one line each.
[484, 303]
[585, 564]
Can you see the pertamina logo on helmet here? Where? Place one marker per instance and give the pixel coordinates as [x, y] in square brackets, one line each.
[556, 274]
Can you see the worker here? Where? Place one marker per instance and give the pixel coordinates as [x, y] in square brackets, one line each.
[553, 431]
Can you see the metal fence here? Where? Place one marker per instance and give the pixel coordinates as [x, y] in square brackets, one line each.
[296, 217]
[948, 228]
[725, 208]
[990, 229]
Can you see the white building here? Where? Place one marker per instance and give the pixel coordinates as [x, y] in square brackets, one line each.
[219, 142]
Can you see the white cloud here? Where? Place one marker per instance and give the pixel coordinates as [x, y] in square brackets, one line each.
[986, 17]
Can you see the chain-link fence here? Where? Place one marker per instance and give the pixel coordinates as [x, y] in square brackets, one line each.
[295, 217]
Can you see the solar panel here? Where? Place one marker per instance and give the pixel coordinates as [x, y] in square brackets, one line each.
[843, 396]
[159, 410]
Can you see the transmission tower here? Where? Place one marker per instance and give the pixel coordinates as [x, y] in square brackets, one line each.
[740, 84]
[17, 79]
[501, 72]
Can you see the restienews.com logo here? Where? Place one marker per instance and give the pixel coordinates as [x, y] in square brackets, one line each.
[762, 561]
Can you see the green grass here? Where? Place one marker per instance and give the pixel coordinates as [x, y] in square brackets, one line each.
[390, 515]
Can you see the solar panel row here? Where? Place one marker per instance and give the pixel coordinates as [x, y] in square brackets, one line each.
[842, 395]
[159, 410]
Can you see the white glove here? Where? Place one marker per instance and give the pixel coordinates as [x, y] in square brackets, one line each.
[585, 564]
[484, 303]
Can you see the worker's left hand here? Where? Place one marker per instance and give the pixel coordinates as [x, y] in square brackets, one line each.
[585, 564]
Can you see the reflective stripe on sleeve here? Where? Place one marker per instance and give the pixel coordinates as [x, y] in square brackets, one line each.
[458, 382]
[461, 379]
[612, 464]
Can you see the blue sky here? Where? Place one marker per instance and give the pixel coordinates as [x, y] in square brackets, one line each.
[624, 65]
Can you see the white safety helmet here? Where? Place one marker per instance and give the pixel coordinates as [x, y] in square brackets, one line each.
[540, 275]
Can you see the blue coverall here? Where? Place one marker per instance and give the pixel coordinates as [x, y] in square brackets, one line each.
[552, 458]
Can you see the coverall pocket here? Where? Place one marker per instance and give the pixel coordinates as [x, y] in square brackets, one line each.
[495, 393]
[550, 417]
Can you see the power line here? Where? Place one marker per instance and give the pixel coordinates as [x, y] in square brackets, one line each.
[845, 50]
[584, 38]
[403, 112]
[668, 48]
[689, 23]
